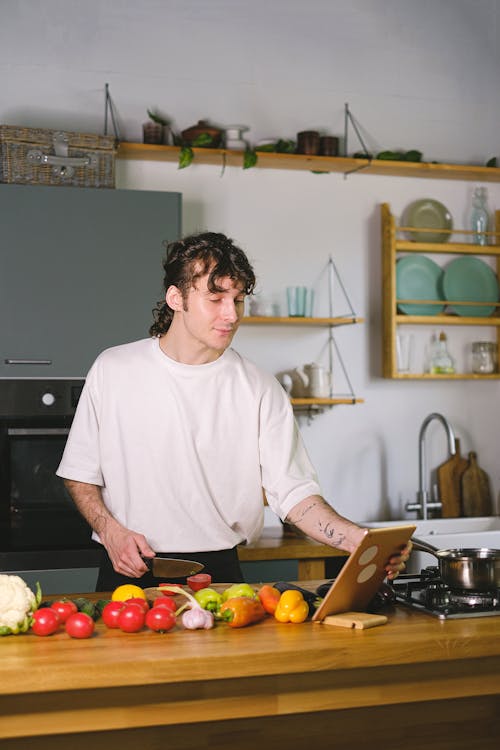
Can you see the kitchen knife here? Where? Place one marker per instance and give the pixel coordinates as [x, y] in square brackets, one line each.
[171, 567]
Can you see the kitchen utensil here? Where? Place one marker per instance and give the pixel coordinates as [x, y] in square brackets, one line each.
[474, 569]
[476, 491]
[358, 620]
[449, 475]
[233, 138]
[484, 357]
[419, 277]
[171, 567]
[364, 571]
[469, 279]
[404, 346]
[308, 142]
[316, 380]
[202, 127]
[328, 145]
[427, 214]
[296, 298]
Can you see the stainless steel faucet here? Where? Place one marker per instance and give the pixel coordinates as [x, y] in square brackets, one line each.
[423, 504]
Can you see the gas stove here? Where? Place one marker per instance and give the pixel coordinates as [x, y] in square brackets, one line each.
[427, 593]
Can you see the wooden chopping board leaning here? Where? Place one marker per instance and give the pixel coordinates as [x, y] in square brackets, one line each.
[476, 491]
[449, 476]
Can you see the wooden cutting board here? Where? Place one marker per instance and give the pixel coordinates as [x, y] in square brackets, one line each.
[449, 476]
[358, 620]
[476, 491]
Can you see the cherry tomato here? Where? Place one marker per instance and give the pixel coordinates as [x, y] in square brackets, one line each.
[64, 609]
[168, 593]
[110, 613]
[160, 619]
[45, 621]
[131, 618]
[79, 625]
[199, 581]
[137, 600]
[166, 602]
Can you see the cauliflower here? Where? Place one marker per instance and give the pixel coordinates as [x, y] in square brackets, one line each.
[17, 604]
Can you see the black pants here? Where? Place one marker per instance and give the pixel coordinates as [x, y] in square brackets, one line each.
[223, 565]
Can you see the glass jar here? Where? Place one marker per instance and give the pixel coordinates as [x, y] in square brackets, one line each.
[484, 357]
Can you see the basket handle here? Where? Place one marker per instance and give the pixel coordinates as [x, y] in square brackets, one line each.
[64, 165]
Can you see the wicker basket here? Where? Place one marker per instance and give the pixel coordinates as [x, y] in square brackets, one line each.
[36, 156]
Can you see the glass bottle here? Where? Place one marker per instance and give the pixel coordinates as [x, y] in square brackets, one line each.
[442, 363]
[479, 216]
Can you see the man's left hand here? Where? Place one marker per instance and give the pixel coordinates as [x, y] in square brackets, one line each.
[397, 563]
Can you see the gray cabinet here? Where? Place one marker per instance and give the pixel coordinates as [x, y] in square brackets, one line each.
[80, 270]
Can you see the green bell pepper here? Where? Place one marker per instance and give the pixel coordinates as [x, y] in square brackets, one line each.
[208, 599]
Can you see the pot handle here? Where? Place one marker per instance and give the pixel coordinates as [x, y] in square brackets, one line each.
[421, 546]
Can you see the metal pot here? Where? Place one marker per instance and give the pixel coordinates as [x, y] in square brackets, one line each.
[476, 569]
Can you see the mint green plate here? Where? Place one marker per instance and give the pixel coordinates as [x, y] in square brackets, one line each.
[469, 279]
[418, 277]
[427, 214]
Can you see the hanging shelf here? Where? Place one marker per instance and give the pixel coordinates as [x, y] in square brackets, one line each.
[226, 157]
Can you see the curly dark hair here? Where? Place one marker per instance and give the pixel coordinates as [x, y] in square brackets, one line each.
[192, 257]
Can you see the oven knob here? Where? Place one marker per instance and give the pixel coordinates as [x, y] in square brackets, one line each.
[48, 399]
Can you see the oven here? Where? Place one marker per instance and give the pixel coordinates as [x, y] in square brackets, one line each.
[40, 526]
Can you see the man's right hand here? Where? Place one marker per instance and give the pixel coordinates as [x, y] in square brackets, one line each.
[125, 548]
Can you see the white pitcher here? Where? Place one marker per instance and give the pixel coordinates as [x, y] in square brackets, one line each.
[318, 380]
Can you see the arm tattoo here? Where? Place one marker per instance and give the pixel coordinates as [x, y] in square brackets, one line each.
[303, 512]
[329, 532]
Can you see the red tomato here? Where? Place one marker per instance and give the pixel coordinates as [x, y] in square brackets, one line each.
[160, 619]
[110, 613]
[168, 593]
[64, 609]
[79, 625]
[131, 618]
[166, 602]
[137, 600]
[199, 581]
[45, 621]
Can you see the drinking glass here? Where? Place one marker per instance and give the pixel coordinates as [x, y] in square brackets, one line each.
[296, 298]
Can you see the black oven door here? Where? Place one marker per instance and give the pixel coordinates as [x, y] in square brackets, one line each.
[36, 511]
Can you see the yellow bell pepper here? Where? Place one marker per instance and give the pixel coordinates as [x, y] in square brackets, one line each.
[291, 607]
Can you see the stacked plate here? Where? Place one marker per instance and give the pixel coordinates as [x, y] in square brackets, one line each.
[469, 279]
[465, 279]
[428, 214]
[418, 277]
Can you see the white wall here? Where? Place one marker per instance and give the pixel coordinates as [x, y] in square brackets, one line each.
[417, 75]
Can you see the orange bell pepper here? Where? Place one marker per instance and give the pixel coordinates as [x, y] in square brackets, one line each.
[292, 607]
[241, 611]
[269, 598]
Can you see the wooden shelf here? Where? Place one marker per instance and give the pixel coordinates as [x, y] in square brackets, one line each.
[391, 246]
[311, 406]
[454, 376]
[326, 401]
[446, 320]
[292, 321]
[344, 165]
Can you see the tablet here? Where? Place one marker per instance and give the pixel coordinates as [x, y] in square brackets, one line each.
[362, 575]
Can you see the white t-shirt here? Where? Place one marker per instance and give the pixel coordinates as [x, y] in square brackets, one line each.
[182, 452]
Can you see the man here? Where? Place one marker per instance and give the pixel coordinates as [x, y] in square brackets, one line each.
[175, 436]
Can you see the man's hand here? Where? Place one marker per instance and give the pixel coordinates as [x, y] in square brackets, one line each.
[125, 548]
[397, 563]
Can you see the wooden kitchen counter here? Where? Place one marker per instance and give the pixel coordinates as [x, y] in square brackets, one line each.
[276, 544]
[416, 682]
